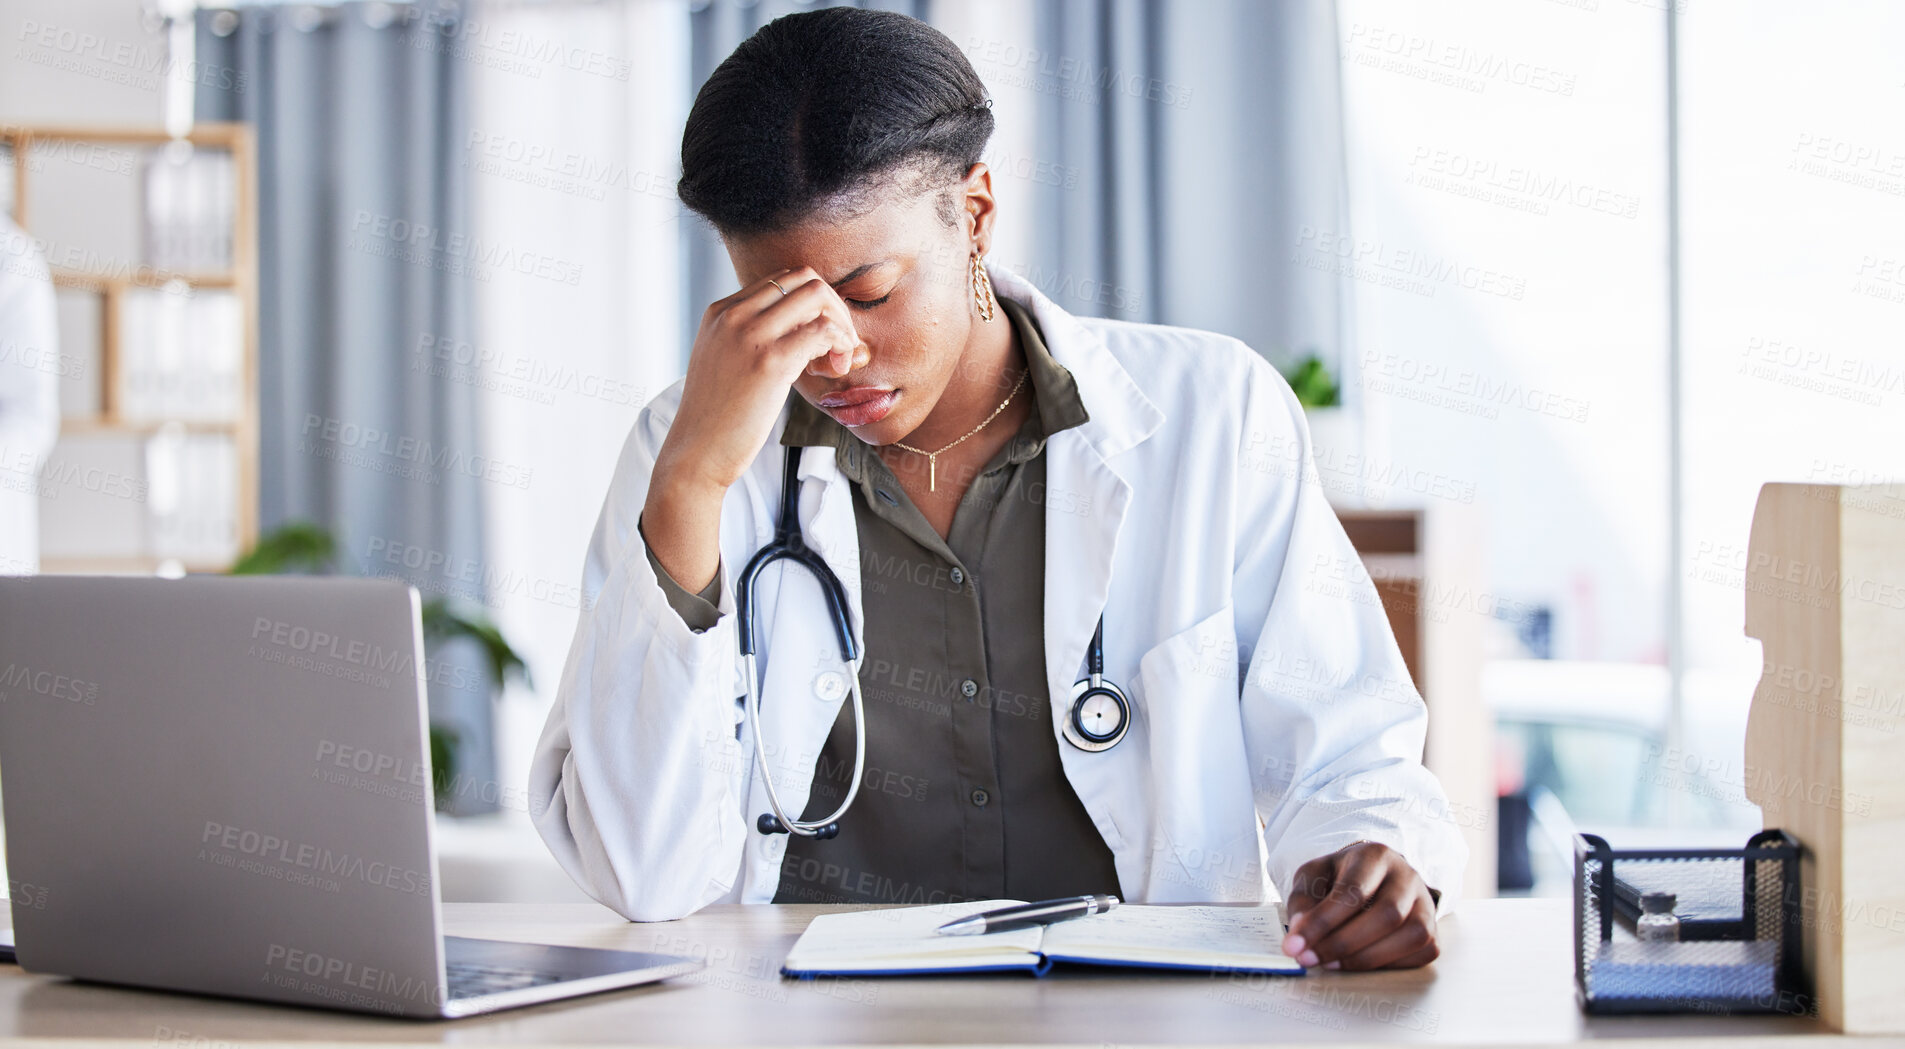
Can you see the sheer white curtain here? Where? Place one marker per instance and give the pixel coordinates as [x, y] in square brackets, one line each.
[1510, 284]
[573, 151]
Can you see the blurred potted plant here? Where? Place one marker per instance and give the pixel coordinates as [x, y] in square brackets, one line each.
[1333, 428]
[304, 548]
[1315, 387]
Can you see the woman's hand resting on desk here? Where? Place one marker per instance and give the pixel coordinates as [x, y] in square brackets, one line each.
[1361, 907]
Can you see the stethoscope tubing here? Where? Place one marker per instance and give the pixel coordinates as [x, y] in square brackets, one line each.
[788, 545]
[807, 828]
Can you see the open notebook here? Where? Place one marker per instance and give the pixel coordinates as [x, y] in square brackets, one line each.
[901, 940]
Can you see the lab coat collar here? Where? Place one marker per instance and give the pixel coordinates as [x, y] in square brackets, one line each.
[1121, 415]
[1087, 500]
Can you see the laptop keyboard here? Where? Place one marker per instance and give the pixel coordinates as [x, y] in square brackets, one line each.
[471, 981]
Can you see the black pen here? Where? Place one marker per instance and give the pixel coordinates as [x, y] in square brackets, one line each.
[1022, 915]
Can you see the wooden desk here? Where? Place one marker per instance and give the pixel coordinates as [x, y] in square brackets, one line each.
[1504, 977]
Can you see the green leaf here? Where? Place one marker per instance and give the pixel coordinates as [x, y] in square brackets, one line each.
[1313, 384]
[442, 620]
[443, 744]
[299, 546]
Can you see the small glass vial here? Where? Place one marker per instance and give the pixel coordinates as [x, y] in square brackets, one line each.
[1657, 922]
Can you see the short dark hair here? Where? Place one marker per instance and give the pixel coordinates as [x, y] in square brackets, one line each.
[820, 109]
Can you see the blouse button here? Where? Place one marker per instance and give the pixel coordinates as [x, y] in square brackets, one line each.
[969, 688]
[958, 576]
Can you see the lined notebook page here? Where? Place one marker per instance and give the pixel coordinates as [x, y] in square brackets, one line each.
[903, 938]
[1211, 937]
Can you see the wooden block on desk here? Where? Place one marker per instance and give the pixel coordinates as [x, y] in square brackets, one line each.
[1825, 760]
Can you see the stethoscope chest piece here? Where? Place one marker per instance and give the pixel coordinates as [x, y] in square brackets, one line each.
[1099, 717]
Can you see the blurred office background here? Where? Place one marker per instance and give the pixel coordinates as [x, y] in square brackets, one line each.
[1584, 274]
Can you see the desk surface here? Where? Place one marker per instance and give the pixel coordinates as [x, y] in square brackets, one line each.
[1505, 976]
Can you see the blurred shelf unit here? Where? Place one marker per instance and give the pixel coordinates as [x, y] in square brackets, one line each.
[152, 247]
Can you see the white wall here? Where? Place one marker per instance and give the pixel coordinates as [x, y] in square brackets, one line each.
[81, 62]
[578, 164]
[1794, 146]
[1528, 141]
[1508, 237]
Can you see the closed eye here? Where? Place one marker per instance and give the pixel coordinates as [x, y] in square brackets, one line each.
[867, 304]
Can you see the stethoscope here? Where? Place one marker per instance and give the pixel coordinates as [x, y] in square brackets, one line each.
[1099, 716]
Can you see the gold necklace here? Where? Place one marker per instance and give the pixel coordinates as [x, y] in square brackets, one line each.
[932, 458]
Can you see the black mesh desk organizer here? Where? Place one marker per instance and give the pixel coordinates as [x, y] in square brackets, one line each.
[1739, 946]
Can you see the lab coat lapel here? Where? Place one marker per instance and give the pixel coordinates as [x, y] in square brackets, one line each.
[1085, 505]
[1086, 500]
[1085, 496]
[830, 529]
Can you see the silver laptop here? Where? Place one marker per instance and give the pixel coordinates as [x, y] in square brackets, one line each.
[221, 785]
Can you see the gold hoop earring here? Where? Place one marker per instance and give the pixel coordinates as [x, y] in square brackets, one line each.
[982, 288]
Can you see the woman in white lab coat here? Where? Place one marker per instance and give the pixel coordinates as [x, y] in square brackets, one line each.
[837, 153]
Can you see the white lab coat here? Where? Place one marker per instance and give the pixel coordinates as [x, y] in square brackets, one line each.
[1265, 679]
[29, 394]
